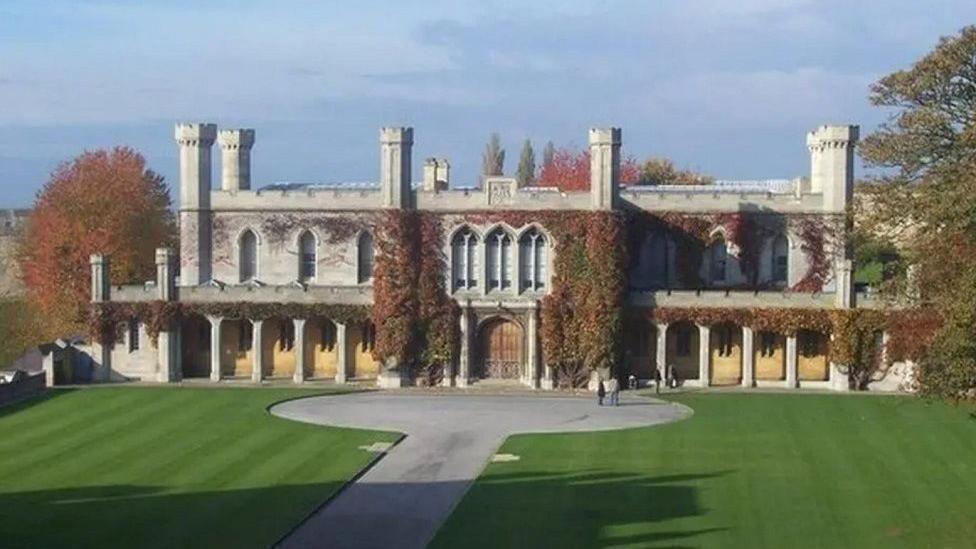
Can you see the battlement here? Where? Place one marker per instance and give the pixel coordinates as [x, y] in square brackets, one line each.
[194, 134]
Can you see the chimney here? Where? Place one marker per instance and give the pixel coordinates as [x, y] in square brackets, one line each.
[436, 174]
[236, 146]
[100, 284]
[604, 167]
[396, 146]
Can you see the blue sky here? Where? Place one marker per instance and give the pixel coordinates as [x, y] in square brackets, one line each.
[725, 87]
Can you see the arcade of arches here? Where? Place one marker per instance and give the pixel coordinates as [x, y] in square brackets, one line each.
[724, 354]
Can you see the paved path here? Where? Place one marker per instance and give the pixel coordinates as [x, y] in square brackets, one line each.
[403, 499]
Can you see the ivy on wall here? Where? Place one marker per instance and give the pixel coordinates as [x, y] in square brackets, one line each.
[105, 319]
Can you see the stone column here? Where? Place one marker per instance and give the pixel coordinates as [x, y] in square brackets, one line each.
[100, 293]
[704, 355]
[257, 362]
[662, 351]
[215, 347]
[464, 360]
[839, 378]
[342, 361]
[791, 367]
[533, 366]
[299, 376]
[548, 383]
[167, 350]
[748, 357]
[166, 346]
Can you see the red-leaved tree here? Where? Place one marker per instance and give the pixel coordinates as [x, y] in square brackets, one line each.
[101, 202]
[569, 170]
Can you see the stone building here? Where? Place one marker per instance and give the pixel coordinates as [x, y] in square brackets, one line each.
[306, 244]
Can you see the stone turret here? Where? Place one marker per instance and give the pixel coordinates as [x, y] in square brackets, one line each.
[100, 284]
[396, 145]
[436, 174]
[604, 168]
[832, 165]
[165, 274]
[195, 142]
[235, 146]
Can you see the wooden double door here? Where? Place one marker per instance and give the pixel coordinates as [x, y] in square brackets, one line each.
[500, 353]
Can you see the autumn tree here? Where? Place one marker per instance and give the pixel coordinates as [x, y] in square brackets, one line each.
[493, 159]
[661, 171]
[101, 202]
[926, 201]
[526, 167]
[569, 170]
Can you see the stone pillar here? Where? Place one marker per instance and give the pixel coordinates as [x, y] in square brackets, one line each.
[532, 370]
[791, 366]
[464, 358]
[101, 292]
[844, 276]
[235, 164]
[748, 357]
[215, 347]
[195, 142]
[662, 350]
[299, 375]
[167, 353]
[342, 360]
[257, 355]
[704, 355]
[396, 146]
[604, 167]
[166, 347]
[177, 374]
[548, 383]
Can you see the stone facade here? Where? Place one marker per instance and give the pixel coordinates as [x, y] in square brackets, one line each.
[310, 243]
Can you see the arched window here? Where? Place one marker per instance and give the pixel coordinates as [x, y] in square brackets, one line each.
[249, 256]
[464, 260]
[306, 257]
[365, 263]
[781, 261]
[533, 260]
[651, 269]
[498, 258]
[717, 260]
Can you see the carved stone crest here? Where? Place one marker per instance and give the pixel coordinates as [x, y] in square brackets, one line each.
[501, 190]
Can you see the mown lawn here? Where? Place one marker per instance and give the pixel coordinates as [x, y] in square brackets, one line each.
[165, 467]
[747, 470]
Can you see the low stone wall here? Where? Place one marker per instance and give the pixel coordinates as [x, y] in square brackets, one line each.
[25, 386]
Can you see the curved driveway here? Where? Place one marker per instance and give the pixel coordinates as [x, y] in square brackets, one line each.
[407, 495]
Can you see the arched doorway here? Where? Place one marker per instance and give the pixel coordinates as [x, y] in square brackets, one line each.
[500, 350]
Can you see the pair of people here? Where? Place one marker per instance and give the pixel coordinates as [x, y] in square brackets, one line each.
[610, 391]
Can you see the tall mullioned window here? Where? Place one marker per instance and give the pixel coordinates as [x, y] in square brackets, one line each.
[248, 256]
[533, 260]
[365, 263]
[306, 257]
[464, 260]
[498, 257]
[718, 260]
[781, 261]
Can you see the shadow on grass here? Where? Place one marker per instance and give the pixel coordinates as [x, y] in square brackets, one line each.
[581, 509]
[147, 516]
[33, 400]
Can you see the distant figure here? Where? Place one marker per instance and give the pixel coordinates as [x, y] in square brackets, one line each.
[613, 387]
[656, 374]
[632, 382]
[601, 392]
[674, 381]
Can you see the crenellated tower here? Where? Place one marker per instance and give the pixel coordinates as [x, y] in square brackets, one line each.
[195, 142]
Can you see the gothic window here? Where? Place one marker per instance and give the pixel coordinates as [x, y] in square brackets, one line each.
[781, 255]
[533, 260]
[328, 336]
[249, 256]
[651, 269]
[498, 257]
[133, 335]
[718, 258]
[724, 334]
[306, 257]
[464, 260]
[365, 263]
[244, 336]
[683, 341]
[286, 335]
[767, 344]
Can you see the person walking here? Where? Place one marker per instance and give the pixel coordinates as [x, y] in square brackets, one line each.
[657, 380]
[613, 388]
[601, 392]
